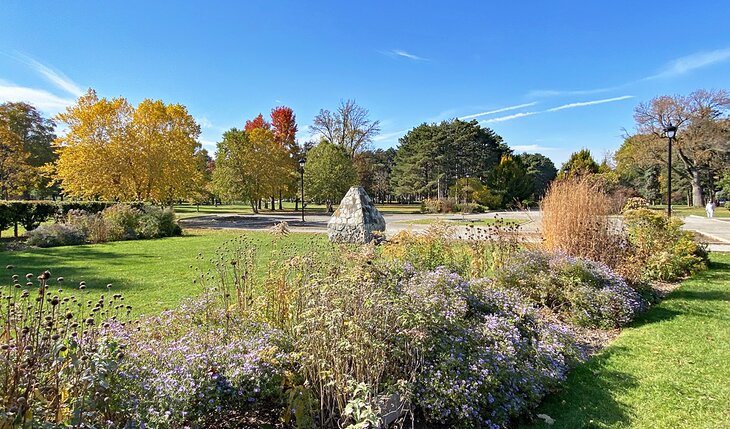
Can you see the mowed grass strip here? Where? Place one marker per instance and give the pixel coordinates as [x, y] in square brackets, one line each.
[671, 369]
[683, 211]
[191, 210]
[153, 275]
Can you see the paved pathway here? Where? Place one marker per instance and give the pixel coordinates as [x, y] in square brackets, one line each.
[395, 222]
[717, 231]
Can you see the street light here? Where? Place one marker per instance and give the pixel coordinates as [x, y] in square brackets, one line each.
[301, 170]
[670, 131]
[468, 188]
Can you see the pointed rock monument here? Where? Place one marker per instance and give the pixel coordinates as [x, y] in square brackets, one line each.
[356, 219]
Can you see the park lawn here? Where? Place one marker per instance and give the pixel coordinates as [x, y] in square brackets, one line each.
[190, 210]
[670, 369]
[153, 275]
[683, 211]
[466, 221]
[10, 232]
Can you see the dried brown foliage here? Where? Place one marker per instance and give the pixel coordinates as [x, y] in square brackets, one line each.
[575, 220]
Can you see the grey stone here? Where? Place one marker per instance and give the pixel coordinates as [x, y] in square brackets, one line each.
[356, 220]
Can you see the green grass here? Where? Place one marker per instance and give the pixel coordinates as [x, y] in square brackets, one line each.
[10, 232]
[671, 369]
[475, 222]
[151, 274]
[683, 211]
[187, 210]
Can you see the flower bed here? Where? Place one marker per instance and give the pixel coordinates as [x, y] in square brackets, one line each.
[321, 340]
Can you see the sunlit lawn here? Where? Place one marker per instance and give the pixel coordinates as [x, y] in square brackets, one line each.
[683, 211]
[151, 274]
[671, 369]
[186, 210]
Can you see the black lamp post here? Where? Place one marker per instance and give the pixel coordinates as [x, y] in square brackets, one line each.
[468, 188]
[670, 131]
[301, 170]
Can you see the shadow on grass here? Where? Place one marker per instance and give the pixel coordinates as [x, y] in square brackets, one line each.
[720, 266]
[714, 295]
[68, 262]
[589, 401]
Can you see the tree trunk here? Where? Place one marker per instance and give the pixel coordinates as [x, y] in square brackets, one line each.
[253, 206]
[697, 197]
[273, 203]
[296, 204]
[280, 206]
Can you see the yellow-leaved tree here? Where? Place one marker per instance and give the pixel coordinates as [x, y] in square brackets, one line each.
[14, 168]
[250, 166]
[114, 151]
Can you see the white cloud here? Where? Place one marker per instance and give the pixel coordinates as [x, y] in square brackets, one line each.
[692, 62]
[389, 136]
[509, 117]
[209, 145]
[204, 122]
[589, 103]
[57, 78]
[41, 99]
[395, 53]
[503, 109]
[555, 109]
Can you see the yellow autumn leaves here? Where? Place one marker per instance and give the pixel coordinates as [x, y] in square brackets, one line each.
[114, 151]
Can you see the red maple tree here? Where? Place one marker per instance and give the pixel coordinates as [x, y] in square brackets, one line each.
[284, 124]
[257, 122]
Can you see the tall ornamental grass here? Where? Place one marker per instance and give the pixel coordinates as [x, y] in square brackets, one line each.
[575, 221]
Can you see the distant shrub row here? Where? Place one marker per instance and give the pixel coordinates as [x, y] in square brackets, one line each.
[30, 214]
[114, 223]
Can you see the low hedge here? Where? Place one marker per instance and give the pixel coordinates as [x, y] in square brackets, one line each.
[30, 214]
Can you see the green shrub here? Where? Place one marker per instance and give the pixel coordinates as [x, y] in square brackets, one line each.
[93, 225]
[662, 250]
[438, 205]
[87, 206]
[7, 216]
[122, 222]
[30, 214]
[634, 203]
[118, 222]
[56, 234]
[155, 223]
[430, 250]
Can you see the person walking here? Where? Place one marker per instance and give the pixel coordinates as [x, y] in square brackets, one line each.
[710, 209]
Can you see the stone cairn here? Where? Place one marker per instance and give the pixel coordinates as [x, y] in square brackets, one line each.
[356, 220]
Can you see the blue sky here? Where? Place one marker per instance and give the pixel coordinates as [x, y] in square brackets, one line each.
[548, 76]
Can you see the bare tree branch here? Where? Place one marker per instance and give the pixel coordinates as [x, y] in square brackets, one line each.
[349, 127]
